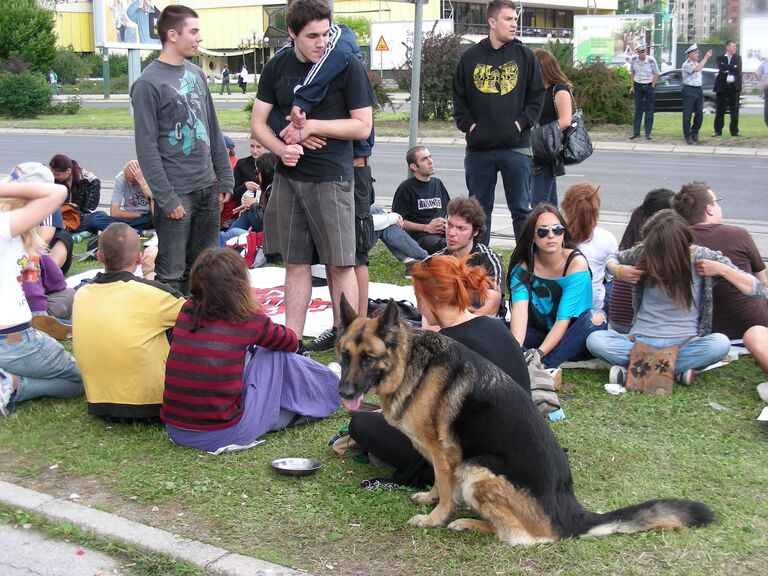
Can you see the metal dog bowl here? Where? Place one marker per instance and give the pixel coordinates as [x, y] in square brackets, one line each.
[296, 466]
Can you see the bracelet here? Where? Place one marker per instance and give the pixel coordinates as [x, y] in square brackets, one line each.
[618, 272]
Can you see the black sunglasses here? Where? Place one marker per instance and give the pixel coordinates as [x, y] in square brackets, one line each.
[543, 231]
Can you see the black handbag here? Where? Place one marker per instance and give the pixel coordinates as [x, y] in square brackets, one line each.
[546, 142]
[577, 146]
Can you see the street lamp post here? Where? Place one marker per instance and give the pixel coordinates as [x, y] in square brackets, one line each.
[264, 50]
[254, 45]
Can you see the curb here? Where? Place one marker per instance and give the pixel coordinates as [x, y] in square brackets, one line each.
[444, 141]
[212, 559]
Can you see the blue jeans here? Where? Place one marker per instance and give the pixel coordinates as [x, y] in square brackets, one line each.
[693, 104]
[573, 344]
[643, 104]
[180, 242]
[43, 366]
[480, 172]
[229, 234]
[98, 221]
[699, 352]
[398, 240]
[250, 220]
[544, 187]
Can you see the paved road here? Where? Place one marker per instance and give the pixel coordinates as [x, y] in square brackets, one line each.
[624, 177]
[27, 553]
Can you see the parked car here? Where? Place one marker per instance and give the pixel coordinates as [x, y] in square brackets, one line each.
[669, 91]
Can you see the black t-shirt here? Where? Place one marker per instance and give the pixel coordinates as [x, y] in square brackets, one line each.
[350, 90]
[421, 202]
[548, 111]
[491, 339]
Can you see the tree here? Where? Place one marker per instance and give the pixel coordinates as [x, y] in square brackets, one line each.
[69, 66]
[359, 25]
[439, 55]
[26, 32]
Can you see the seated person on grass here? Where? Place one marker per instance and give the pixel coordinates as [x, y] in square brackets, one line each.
[213, 401]
[131, 198]
[388, 227]
[60, 242]
[50, 300]
[121, 325]
[422, 201]
[465, 226]
[32, 364]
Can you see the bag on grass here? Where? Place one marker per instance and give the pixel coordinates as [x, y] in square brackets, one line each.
[651, 369]
[407, 310]
[543, 389]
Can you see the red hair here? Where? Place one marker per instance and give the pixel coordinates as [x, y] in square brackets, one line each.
[448, 281]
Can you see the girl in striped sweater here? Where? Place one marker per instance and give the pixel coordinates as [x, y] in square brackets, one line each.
[213, 399]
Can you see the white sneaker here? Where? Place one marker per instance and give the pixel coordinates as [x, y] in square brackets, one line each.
[6, 391]
[335, 367]
[617, 375]
[762, 391]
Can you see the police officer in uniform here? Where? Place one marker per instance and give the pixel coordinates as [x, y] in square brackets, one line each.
[693, 96]
[645, 73]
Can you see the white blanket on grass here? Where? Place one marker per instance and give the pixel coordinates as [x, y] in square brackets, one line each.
[269, 284]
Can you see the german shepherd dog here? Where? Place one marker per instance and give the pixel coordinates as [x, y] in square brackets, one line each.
[486, 440]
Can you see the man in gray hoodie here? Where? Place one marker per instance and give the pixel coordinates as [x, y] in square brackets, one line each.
[180, 148]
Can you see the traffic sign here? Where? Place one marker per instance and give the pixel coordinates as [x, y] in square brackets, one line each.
[381, 45]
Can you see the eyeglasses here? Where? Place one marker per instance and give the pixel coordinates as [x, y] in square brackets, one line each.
[543, 231]
[717, 201]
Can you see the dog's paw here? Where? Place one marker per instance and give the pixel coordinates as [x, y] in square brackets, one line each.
[461, 525]
[423, 521]
[424, 498]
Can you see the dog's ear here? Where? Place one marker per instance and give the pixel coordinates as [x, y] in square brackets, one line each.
[347, 313]
[391, 314]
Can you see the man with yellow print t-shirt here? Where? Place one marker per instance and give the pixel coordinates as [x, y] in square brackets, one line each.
[498, 93]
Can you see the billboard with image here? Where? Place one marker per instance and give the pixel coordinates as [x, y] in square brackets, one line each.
[610, 39]
[128, 23]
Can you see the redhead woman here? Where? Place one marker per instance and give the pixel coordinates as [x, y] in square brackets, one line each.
[551, 290]
[444, 286]
[581, 208]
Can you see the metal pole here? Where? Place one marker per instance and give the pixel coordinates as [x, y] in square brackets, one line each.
[416, 74]
[105, 70]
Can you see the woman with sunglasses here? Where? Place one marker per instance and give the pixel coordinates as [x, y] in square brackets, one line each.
[672, 298]
[551, 290]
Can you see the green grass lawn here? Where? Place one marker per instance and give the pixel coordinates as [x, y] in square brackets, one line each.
[667, 126]
[623, 450]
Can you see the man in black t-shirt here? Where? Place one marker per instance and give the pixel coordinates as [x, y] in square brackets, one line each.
[312, 204]
[422, 201]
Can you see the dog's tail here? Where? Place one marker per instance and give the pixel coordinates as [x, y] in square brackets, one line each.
[651, 515]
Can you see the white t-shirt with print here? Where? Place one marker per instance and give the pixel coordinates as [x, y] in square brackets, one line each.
[14, 309]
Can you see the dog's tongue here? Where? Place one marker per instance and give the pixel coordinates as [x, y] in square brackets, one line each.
[354, 404]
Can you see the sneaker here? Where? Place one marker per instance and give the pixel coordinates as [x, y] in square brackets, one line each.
[634, 136]
[686, 378]
[557, 376]
[6, 393]
[762, 391]
[409, 264]
[326, 341]
[335, 367]
[648, 137]
[52, 326]
[617, 375]
[379, 484]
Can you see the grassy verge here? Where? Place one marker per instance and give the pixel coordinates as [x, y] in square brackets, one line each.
[623, 450]
[667, 126]
[133, 560]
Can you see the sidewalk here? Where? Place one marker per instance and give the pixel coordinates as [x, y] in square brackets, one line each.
[212, 559]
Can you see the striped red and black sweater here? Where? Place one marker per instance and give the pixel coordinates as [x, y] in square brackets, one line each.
[204, 373]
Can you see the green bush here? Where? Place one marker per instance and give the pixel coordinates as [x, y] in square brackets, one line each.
[439, 55]
[69, 66]
[26, 32]
[382, 96]
[23, 95]
[70, 107]
[602, 93]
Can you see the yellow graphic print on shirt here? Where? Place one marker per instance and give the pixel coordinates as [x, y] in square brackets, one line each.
[501, 80]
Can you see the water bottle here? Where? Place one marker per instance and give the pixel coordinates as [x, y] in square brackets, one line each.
[81, 236]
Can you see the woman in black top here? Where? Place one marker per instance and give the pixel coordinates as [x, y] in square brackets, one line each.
[558, 105]
[444, 286]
